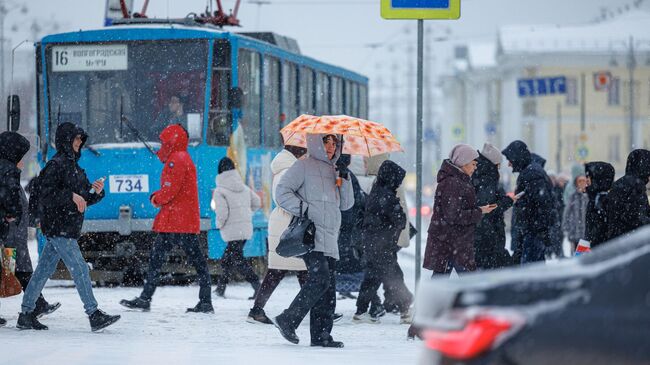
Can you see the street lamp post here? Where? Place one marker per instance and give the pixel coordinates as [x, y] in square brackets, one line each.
[4, 10]
[631, 44]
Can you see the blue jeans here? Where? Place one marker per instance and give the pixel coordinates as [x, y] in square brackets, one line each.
[66, 249]
[533, 249]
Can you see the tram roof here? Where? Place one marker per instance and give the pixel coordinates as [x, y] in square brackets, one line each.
[176, 31]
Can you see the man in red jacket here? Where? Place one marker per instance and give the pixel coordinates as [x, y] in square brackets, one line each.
[178, 220]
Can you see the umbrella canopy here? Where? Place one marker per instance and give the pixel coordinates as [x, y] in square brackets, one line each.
[362, 137]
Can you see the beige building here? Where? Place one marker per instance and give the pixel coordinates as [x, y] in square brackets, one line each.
[594, 117]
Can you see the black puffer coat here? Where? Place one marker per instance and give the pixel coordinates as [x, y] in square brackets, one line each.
[627, 203]
[602, 178]
[13, 148]
[534, 211]
[351, 227]
[490, 239]
[384, 218]
[61, 177]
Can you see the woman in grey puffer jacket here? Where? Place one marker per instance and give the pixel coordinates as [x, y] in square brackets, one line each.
[312, 181]
[234, 204]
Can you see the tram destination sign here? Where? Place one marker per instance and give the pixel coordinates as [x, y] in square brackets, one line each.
[100, 57]
[420, 9]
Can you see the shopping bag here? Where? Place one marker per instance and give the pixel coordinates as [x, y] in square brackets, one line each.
[298, 238]
[9, 284]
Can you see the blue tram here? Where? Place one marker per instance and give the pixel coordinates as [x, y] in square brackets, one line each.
[232, 91]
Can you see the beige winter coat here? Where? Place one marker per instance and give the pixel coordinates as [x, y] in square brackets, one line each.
[280, 218]
[234, 204]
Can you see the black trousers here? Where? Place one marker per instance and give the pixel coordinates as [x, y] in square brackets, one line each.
[190, 244]
[317, 297]
[23, 278]
[233, 260]
[384, 271]
[271, 281]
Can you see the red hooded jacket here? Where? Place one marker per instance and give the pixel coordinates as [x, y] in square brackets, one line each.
[178, 197]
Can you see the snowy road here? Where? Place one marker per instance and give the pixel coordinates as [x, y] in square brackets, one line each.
[167, 335]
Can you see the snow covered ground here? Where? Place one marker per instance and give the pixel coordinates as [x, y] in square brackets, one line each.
[167, 335]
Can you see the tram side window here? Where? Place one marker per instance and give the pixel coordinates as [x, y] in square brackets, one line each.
[322, 94]
[290, 106]
[306, 91]
[220, 121]
[355, 100]
[272, 124]
[249, 82]
[363, 102]
[347, 95]
[337, 96]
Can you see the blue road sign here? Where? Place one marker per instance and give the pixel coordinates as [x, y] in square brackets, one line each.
[420, 4]
[420, 9]
[541, 86]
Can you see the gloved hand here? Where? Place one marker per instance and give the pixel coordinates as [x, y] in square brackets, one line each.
[342, 166]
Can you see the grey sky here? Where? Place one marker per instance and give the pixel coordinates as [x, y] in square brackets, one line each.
[337, 31]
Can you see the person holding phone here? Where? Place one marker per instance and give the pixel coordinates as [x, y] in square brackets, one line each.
[490, 238]
[64, 193]
[534, 212]
[450, 244]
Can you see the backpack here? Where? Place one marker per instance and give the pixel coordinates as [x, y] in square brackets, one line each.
[36, 208]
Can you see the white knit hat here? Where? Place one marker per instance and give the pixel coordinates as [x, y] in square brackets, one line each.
[492, 153]
[462, 154]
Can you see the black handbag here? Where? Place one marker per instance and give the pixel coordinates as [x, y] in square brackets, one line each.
[298, 238]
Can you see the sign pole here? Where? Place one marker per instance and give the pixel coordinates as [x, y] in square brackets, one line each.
[418, 153]
[418, 158]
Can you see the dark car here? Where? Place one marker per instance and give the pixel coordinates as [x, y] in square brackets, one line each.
[591, 310]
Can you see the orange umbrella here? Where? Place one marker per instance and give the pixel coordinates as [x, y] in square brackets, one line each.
[362, 137]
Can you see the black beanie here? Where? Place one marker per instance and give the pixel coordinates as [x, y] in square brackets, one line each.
[225, 164]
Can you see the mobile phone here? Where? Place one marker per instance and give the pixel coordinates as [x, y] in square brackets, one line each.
[92, 190]
[519, 195]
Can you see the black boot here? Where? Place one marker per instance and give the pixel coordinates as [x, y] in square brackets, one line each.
[3, 322]
[201, 307]
[377, 311]
[328, 342]
[220, 290]
[100, 320]
[137, 303]
[28, 321]
[256, 288]
[286, 330]
[43, 308]
[257, 315]
[337, 317]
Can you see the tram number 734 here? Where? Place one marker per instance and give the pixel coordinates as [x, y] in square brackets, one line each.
[128, 183]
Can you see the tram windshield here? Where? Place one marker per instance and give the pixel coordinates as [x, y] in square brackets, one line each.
[153, 84]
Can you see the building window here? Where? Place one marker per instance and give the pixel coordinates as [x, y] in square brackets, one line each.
[614, 94]
[614, 151]
[571, 91]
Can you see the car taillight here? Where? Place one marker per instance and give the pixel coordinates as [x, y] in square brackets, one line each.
[425, 210]
[477, 336]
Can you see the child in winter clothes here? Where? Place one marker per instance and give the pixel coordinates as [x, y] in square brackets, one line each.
[384, 220]
[234, 204]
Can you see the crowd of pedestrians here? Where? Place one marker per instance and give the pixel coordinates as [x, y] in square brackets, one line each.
[357, 206]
